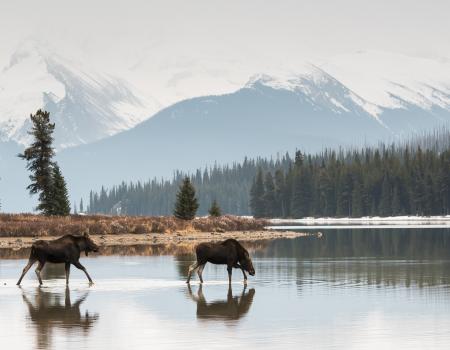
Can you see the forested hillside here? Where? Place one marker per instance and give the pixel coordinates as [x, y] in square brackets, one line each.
[409, 177]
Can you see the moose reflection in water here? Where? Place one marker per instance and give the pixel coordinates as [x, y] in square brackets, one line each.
[66, 249]
[232, 308]
[48, 311]
[229, 252]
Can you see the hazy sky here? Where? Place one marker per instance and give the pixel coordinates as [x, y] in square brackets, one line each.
[118, 34]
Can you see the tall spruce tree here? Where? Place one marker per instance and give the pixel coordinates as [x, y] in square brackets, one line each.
[186, 204]
[270, 196]
[257, 193]
[39, 160]
[214, 210]
[280, 200]
[59, 195]
[385, 207]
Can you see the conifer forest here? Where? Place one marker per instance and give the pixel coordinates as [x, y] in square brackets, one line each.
[411, 177]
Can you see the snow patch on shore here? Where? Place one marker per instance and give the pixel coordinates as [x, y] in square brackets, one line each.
[368, 220]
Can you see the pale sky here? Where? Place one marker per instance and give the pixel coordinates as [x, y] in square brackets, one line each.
[118, 33]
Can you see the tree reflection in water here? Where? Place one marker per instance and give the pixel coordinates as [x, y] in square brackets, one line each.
[48, 311]
[232, 308]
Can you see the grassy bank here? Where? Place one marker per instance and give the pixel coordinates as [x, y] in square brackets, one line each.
[29, 225]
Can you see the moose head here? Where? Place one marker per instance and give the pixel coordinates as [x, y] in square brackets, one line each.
[246, 263]
[89, 244]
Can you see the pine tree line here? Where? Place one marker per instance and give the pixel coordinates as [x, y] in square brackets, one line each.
[381, 180]
[398, 180]
[229, 186]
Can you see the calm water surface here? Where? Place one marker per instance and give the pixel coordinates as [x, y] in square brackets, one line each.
[352, 289]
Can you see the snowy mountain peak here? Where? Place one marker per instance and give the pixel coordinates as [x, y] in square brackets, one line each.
[86, 106]
[319, 88]
[287, 79]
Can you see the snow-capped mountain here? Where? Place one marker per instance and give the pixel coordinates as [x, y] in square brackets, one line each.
[378, 80]
[86, 106]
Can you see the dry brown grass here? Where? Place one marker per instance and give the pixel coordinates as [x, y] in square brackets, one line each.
[28, 225]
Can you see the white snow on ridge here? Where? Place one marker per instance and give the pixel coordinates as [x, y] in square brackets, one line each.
[22, 89]
[375, 80]
[385, 79]
[36, 78]
[314, 82]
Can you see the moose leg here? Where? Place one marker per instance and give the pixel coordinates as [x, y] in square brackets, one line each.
[25, 270]
[200, 271]
[82, 268]
[201, 296]
[243, 272]
[67, 301]
[191, 269]
[245, 276]
[229, 269]
[67, 273]
[38, 271]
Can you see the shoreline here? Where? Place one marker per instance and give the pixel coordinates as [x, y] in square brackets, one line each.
[162, 239]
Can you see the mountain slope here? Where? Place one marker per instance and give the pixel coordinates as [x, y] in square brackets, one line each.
[85, 106]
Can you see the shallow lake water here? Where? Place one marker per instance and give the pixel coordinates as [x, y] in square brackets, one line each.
[352, 289]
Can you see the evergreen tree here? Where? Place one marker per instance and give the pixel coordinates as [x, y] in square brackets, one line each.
[39, 160]
[81, 206]
[396, 204]
[59, 195]
[344, 189]
[257, 192]
[186, 204]
[385, 208]
[269, 196]
[214, 210]
[298, 159]
[280, 200]
[358, 200]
